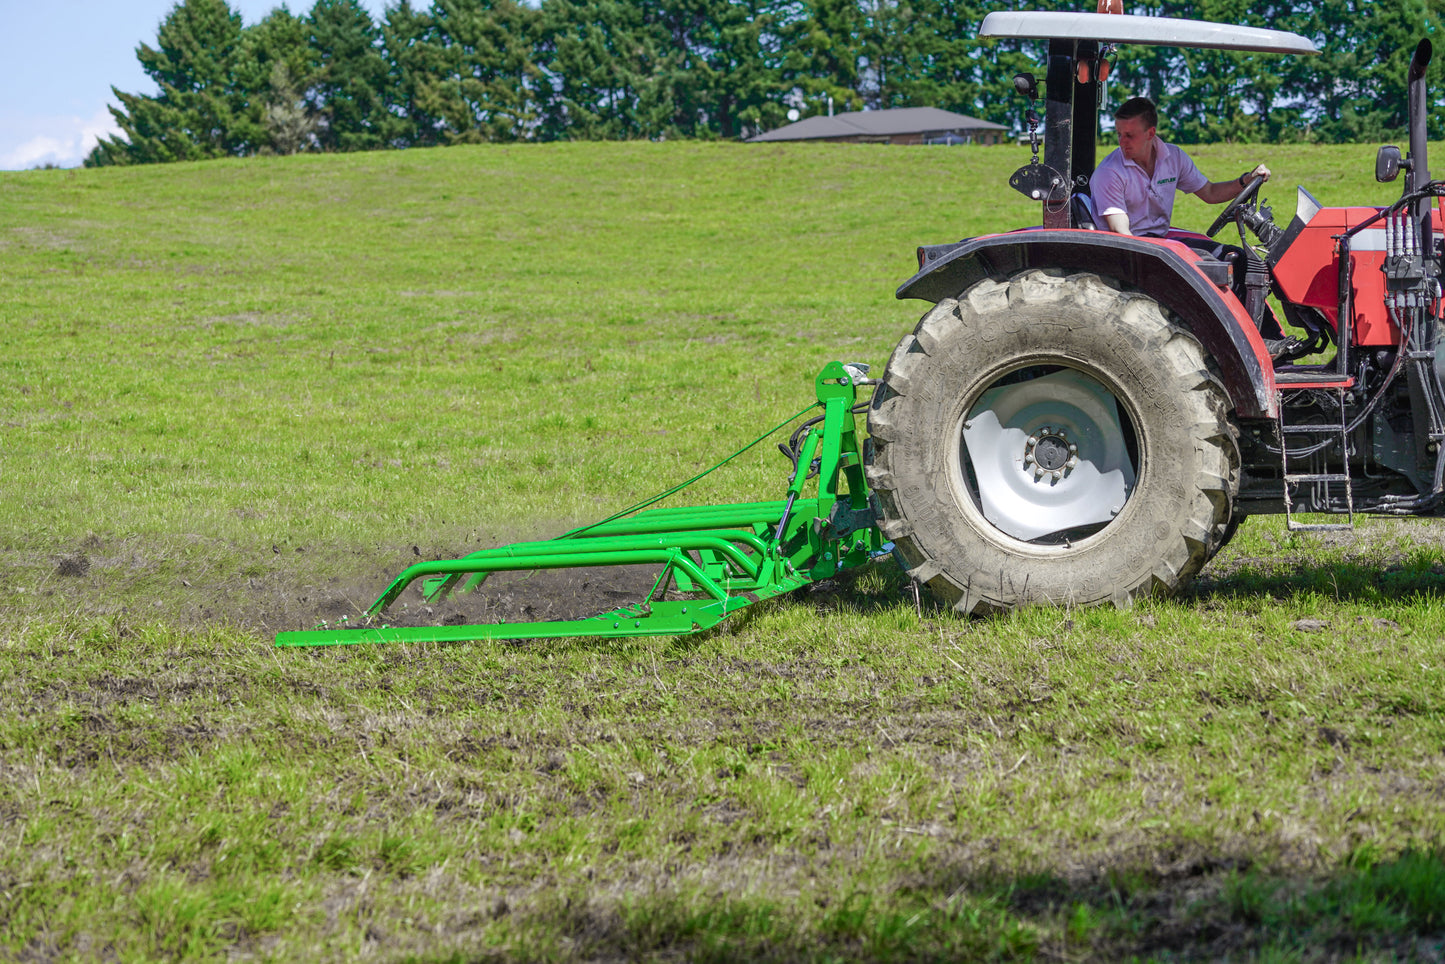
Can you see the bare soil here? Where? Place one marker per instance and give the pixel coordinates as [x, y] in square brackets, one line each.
[287, 594]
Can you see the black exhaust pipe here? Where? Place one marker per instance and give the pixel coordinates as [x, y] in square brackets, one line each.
[1414, 302]
[1417, 175]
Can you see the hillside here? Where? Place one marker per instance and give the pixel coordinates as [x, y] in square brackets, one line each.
[367, 352]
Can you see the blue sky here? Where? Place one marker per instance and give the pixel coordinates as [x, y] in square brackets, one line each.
[59, 59]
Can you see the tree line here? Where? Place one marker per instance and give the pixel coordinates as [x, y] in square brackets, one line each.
[469, 71]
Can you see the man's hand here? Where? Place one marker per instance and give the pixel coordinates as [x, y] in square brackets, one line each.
[1259, 171]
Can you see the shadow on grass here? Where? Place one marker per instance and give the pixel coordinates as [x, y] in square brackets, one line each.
[1422, 578]
[1198, 909]
[1417, 576]
[885, 586]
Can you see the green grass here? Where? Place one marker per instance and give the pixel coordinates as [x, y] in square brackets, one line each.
[232, 394]
[451, 345]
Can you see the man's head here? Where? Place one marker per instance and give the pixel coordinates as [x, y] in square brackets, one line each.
[1135, 121]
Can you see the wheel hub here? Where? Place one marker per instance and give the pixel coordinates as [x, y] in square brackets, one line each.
[1045, 455]
[1050, 453]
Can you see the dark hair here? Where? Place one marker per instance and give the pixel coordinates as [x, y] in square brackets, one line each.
[1141, 107]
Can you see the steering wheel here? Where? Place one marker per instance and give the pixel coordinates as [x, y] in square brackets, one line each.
[1241, 201]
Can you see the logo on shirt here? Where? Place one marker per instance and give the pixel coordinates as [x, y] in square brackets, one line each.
[1166, 180]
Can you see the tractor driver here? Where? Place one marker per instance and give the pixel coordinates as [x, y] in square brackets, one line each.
[1133, 188]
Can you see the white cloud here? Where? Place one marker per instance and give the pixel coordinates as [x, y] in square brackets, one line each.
[64, 141]
[35, 151]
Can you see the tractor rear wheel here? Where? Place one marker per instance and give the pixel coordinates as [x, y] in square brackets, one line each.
[1051, 439]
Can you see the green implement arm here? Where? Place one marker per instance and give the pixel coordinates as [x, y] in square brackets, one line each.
[720, 558]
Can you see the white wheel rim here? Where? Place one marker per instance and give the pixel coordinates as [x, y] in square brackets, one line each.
[1049, 457]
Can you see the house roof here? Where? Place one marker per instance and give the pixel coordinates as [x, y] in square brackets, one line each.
[878, 123]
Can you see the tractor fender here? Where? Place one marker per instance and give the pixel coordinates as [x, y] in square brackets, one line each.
[1184, 281]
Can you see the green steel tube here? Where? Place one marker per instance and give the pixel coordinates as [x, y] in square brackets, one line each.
[686, 619]
[722, 542]
[689, 517]
[595, 557]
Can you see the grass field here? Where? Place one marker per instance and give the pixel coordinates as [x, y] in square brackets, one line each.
[236, 396]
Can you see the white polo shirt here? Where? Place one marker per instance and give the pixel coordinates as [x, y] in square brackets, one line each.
[1119, 186]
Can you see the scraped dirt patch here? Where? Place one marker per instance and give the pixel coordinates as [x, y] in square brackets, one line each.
[273, 588]
[268, 589]
[541, 596]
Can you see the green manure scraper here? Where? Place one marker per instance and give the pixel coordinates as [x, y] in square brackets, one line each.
[718, 558]
[1082, 417]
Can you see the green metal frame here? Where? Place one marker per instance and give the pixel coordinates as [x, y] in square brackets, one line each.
[723, 557]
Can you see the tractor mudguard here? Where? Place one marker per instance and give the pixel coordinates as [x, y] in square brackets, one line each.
[1185, 281]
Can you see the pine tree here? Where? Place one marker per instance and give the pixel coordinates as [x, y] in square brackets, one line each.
[274, 69]
[199, 112]
[411, 61]
[942, 62]
[483, 82]
[350, 80]
[1358, 89]
[488, 70]
[602, 59]
[825, 60]
[721, 66]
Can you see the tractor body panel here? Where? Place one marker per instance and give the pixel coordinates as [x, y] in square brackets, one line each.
[1308, 272]
[1187, 282]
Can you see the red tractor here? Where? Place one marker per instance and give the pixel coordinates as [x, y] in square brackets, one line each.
[1085, 417]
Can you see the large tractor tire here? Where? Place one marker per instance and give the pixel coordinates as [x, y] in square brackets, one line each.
[1051, 439]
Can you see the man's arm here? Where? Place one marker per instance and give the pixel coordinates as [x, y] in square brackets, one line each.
[1107, 189]
[1217, 192]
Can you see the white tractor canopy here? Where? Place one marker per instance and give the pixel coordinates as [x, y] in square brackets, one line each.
[1114, 28]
